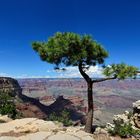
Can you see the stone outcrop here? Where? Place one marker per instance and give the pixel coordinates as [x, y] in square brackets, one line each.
[10, 86]
[36, 129]
[4, 118]
[136, 113]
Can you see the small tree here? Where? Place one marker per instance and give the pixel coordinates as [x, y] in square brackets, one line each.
[7, 105]
[70, 49]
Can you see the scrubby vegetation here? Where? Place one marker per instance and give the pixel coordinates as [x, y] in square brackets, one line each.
[125, 130]
[7, 105]
[63, 117]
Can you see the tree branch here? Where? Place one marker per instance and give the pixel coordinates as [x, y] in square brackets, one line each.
[86, 77]
[103, 79]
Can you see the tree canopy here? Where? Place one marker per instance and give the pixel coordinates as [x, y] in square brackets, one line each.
[121, 71]
[65, 49]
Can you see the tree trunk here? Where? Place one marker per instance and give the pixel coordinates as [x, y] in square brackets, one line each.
[89, 121]
[88, 126]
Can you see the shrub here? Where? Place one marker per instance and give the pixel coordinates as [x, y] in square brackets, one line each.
[63, 117]
[124, 130]
[7, 106]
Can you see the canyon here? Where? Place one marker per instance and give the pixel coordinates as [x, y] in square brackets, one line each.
[110, 97]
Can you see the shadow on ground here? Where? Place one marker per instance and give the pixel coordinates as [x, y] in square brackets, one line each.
[59, 105]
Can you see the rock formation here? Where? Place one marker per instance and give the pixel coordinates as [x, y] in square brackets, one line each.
[4, 118]
[32, 107]
[10, 86]
[136, 113]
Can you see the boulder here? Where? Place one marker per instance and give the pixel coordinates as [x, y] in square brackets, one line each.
[5, 118]
[136, 113]
[136, 107]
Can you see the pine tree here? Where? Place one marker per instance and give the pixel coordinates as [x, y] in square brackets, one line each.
[71, 49]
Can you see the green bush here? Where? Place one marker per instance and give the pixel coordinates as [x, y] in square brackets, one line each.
[7, 106]
[124, 130]
[63, 117]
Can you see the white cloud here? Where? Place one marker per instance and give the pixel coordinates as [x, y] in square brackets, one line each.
[95, 71]
[70, 72]
[23, 76]
[73, 72]
[4, 74]
[31, 76]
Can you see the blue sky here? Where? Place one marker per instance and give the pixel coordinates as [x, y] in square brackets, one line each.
[113, 23]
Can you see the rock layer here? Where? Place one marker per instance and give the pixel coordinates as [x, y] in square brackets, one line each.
[10, 86]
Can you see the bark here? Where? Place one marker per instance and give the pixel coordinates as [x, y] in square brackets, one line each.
[89, 121]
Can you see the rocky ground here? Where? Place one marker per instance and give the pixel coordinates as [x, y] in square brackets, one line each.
[37, 129]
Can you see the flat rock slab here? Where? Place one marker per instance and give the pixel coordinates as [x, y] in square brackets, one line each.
[36, 129]
[46, 136]
[63, 137]
[33, 136]
[15, 124]
[27, 125]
